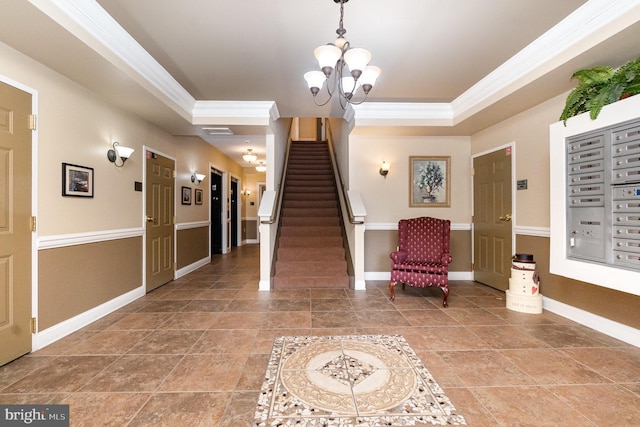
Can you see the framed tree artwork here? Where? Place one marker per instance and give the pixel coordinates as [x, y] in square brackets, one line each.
[429, 181]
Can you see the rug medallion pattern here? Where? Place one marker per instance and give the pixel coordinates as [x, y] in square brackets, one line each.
[360, 380]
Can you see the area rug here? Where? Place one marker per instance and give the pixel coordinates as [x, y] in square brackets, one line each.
[359, 380]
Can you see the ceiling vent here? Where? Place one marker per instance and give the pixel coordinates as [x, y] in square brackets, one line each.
[217, 131]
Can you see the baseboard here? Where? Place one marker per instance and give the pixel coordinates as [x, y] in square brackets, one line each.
[386, 275]
[67, 327]
[601, 324]
[193, 267]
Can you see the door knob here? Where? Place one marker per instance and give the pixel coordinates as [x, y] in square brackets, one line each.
[507, 217]
[150, 219]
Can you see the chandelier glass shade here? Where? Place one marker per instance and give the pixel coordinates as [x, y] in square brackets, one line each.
[249, 156]
[261, 167]
[344, 69]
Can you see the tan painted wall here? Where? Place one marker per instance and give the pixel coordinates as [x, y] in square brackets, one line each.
[192, 245]
[530, 132]
[387, 199]
[78, 278]
[76, 126]
[380, 243]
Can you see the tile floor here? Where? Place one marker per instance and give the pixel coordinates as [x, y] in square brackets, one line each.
[194, 352]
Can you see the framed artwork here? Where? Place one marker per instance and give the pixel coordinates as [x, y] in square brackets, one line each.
[186, 195]
[77, 181]
[429, 181]
[198, 196]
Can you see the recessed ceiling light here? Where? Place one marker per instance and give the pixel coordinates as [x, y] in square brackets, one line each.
[217, 131]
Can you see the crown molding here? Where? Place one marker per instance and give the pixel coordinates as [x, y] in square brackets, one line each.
[233, 112]
[91, 24]
[587, 26]
[592, 23]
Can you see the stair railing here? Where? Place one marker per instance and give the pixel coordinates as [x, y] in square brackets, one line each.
[356, 212]
[269, 213]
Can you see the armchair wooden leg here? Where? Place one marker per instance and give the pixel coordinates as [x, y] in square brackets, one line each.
[445, 290]
[392, 289]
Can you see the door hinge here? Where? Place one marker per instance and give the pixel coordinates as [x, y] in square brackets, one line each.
[472, 266]
[173, 220]
[34, 324]
[175, 174]
[175, 265]
[32, 121]
[33, 223]
[473, 171]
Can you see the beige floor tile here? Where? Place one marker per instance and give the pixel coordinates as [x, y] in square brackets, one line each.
[528, 406]
[167, 341]
[62, 374]
[617, 364]
[552, 366]
[104, 409]
[221, 341]
[210, 372]
[240, 410]
[182, 409]
[605, 405]
[189, 321]
[139, 373]
[484, 368]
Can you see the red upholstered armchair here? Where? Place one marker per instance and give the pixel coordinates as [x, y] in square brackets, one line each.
[423, 257]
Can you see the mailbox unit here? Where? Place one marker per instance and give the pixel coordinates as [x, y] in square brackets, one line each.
[603, 195]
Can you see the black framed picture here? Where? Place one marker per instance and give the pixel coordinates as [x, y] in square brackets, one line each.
[186, 195]
[198, 196]
[77, 181]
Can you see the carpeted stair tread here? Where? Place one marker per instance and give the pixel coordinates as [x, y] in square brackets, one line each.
[310, 221]
[307, 253]
[310, 204]
[305, 189]
[311, 282]
[320, 230]
[310, 241]
[305, 196]
[310, 212]
[310, 247]
[312, 268]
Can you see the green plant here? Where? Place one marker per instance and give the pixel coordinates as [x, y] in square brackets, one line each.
[600, 86]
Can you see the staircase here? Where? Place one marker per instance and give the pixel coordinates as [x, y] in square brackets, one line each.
[310, 252]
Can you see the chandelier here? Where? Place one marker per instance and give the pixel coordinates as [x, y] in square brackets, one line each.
[351, 66]
[249, 156]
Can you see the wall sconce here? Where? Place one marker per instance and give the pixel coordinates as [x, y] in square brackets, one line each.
[247, 193]
[384, 168]
[197, 178]
[121, 151]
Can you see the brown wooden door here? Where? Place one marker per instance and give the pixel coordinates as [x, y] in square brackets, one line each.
[159, 219]
[492, 231]
[15, 223]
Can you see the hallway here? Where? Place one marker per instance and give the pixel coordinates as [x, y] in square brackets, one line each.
[194, 352]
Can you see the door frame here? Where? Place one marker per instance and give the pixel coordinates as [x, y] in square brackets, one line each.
[511, 145]
[226, 182]
[143, 220]
[34, 202]
[239, 203]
